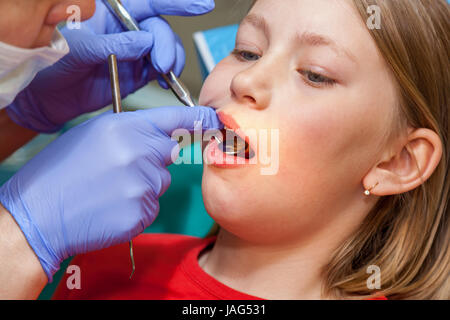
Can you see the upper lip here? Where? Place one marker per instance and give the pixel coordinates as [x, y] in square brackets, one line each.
[228, 121]
[231, 124]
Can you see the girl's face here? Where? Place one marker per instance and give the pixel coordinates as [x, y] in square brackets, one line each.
[309, 69]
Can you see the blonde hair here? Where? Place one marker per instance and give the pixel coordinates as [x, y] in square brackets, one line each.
[406, 235]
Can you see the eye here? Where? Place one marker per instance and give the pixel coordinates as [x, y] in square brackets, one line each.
[316, 80]
[245, 55]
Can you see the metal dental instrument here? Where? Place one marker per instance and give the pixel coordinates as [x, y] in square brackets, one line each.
[177, 87]
[117, 108]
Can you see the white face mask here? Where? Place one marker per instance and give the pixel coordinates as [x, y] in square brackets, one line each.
[19, 66]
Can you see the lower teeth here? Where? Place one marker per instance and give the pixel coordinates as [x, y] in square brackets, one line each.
[235, 146]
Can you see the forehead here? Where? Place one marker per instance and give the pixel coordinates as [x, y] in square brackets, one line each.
[307, 10]
[336, 20]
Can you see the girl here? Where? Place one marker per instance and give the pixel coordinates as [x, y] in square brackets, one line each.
[362, 188]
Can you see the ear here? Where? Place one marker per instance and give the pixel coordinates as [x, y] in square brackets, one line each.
[408, 166]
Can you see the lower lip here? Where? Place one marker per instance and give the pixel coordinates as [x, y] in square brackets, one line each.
[215, 157]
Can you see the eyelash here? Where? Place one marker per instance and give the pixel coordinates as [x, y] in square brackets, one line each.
[327, 82]
[238, 54]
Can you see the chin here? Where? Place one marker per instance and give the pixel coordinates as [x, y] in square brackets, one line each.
[44, 37]
[220, 198]
[247, 215]
[229, 207]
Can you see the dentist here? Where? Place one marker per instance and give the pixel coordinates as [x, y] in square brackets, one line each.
[98, 184]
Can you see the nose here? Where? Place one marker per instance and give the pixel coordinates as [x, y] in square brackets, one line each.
[252, 86]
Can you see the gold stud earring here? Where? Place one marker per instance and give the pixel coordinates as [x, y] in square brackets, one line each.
[367, 192]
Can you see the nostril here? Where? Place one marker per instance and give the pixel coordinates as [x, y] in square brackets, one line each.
[250, 99]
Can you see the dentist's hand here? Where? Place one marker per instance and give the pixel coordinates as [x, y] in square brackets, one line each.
[98, 184]
[79, 83]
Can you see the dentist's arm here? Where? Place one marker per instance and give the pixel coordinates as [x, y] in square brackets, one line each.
[95, 186]
[80, 83]
[12, 136]
[21, 274]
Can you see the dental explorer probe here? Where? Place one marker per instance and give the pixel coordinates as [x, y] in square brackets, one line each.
[117, 108]
[177, 87]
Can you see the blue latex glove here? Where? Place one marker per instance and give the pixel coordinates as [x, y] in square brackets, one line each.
[79, 83]
[98, 184]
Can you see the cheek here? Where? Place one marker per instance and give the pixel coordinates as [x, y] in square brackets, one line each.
[206, 93]
[64, 9]
[87, 9]
[20, 26]
[44, 37]
[217, 85]
[330, 145]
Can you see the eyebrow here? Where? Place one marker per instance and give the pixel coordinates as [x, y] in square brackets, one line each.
[305, 38]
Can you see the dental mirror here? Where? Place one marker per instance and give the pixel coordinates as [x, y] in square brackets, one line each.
[234, 145]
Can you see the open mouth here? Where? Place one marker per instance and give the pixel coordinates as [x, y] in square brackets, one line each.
[232, 144]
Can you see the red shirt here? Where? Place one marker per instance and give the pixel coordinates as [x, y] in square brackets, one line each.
[166, 268]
